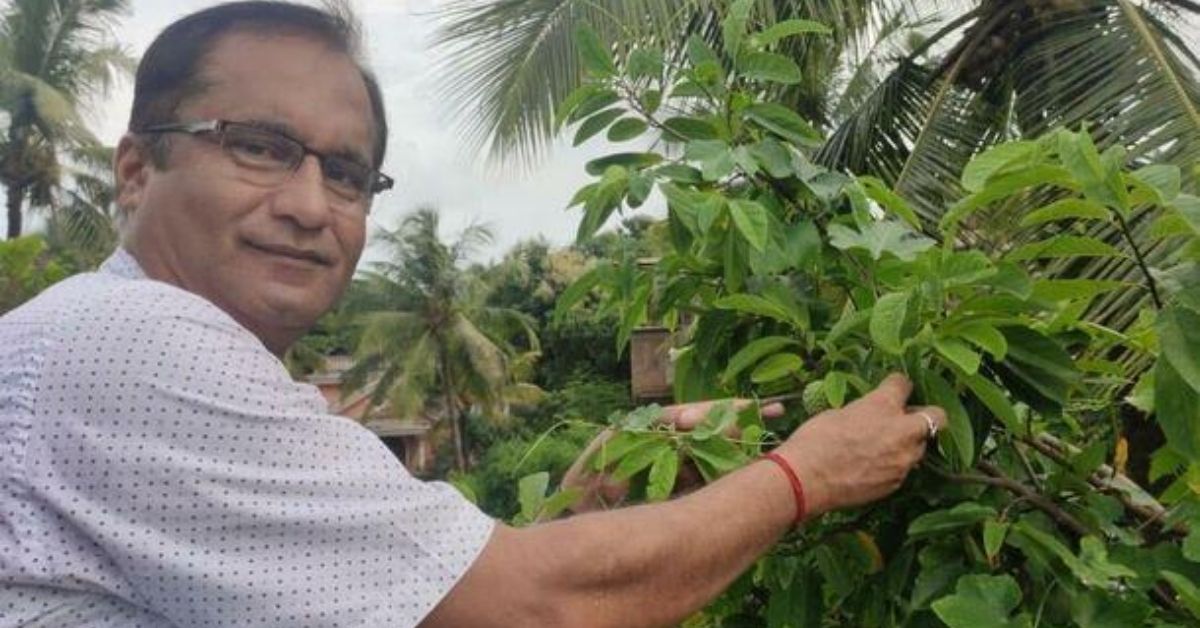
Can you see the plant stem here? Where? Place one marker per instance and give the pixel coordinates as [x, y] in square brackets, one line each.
[1141, 260]
[994, 477]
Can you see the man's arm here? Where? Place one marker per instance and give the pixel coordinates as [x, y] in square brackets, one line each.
[654, 565]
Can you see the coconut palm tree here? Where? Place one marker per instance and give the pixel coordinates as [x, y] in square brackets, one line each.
[54, 56]
[428, 340]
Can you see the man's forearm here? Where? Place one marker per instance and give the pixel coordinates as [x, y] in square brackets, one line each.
[649, 565]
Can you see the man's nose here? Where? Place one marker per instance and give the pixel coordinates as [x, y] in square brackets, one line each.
[302, 198]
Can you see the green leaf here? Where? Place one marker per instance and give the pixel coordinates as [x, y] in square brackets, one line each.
[881, 237]
[639, 458]
[645, 63]
[754, 304]
[834, 386]
[531, 494]
[1073, 208]
[879, 192]
[1103, 609]
[985, 336]
[594, 100]
[1037, 370]
[596, 124]
[1179, 336]
[1164, 179]
[1188, 208]
[1189, 594]
[783, 122]
[1101, 182]
[958, 439]
[716, 456]
[1092, 566]
[699, 53]
[768, 66]
[1073, 289]
[1063, 246]
[715, 158]
[787, 28]
[961, 515]
[616, 448]
[887, 322]
[1191, 544]
[579, 289]
[626, 129]
[687, 128]
[1002, 187]
[753, 352]
[642, 418]
[559, 502]
[777, 366]
[1177, 407]
[996, 401]
[981, 601]
[996, 160]
[596, 56]
[993, 537]
[1142, 395]
[680, 173]
[603, 201]
[773, 158]
[751, 220]
[632, 161]
[721, 416]
[640, 186]
[662, 475]
[959, 354]
[577, 97]
[733, 27]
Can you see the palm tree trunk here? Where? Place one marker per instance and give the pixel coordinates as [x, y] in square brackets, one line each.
[16, 195]
[456, 420]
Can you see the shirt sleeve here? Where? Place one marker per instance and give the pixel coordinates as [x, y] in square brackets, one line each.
[171, 441]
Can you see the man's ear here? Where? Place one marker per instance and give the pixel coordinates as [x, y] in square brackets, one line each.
[131, 167]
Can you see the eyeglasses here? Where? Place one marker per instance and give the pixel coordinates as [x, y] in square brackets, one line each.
[268, 158]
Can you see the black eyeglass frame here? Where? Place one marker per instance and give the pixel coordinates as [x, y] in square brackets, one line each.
[378, 181]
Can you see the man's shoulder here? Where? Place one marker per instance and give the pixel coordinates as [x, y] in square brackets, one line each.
[87, 301]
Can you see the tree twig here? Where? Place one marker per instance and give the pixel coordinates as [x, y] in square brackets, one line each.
[992, 476]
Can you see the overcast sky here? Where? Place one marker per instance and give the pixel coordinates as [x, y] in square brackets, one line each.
[424, 154]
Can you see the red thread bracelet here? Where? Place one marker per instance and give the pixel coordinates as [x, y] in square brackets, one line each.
[794, 480]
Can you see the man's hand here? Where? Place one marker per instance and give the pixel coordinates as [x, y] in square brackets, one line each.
[862, 452]
[599, 490]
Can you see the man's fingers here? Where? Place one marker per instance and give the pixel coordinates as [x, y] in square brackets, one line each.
[895, 389]
[686, 416]
[772, 410]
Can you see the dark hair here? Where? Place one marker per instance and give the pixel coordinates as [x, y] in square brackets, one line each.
[169, 72]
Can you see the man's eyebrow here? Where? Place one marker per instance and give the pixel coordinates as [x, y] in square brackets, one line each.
[287, 130]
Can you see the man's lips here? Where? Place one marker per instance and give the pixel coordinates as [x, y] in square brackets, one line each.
[291, 252]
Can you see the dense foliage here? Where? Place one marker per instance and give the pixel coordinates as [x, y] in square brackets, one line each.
[798, 278]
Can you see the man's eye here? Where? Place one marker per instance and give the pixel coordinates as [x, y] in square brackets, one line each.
[262, 149]
[345, 173]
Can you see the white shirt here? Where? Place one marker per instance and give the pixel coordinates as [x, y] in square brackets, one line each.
[158, 467]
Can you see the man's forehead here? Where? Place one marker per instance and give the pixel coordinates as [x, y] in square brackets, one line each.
[295, 84]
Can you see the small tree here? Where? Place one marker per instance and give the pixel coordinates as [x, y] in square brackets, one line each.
[813, 284]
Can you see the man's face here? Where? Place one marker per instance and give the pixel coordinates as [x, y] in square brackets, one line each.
[275, 258]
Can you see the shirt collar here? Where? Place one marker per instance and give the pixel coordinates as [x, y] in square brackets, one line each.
[122, 264]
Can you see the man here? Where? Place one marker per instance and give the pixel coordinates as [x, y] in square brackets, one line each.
[159, 468]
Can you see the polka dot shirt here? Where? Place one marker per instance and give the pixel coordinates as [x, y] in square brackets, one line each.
[159, 468]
